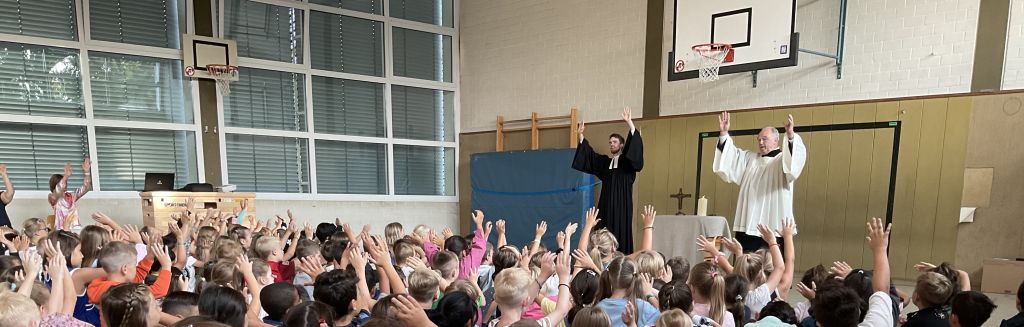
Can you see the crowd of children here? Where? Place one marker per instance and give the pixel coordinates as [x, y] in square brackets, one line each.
[206, 269]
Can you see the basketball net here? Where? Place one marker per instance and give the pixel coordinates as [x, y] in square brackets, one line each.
[709, 58]
[222, 74]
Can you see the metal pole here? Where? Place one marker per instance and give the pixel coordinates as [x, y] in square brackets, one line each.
[840, 46]
[818, 53]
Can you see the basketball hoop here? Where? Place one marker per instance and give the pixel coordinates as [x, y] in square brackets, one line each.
[710, 56]
[223, 74]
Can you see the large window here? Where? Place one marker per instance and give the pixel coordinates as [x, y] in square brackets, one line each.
[112, 92]
[341, 97]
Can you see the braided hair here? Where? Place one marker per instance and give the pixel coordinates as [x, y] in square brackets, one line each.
[126, 305]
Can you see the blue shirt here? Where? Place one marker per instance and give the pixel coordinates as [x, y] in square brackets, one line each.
[647, 313]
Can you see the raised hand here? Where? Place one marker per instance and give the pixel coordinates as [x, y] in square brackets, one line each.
[488, 227]
[923, 267]
[788, 228]
[649, 215]
[310, 266]
[416, 263]
[627, 115]
[56, 263]
[583, 260]
[547, 265]
[375, 246]
[732, 245]
[33, 265]
[540, 230]
[878, 235]
[162, 256]
[3, 169]
[579, 129]
[244, 265]
[562, 266]
[173, 229]
[790, 126]
[646, 283]
[500, 225]
[707, 245]
[629, 315]
[559, 238]
[22, 243]
[841, 269]
[478, 218]
[592, 219]
[808, 292]
[766, 234]
[447, 232]
[570, 229]
[408, 311]
[308, 230]
[357, 260]
[67, 170]
[86, 165]
[723, 123]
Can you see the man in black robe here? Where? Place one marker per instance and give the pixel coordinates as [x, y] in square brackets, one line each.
[617, 174]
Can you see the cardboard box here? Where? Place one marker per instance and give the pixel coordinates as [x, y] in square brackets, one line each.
[1002, 275]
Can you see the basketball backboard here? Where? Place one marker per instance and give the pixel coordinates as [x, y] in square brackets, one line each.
[761, 33]
[199, 51]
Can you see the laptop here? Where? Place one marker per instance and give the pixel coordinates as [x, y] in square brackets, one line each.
[159, 182]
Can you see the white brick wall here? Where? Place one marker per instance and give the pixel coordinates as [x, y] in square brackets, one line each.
[1013, 68]
[894, 48]
[546, 56]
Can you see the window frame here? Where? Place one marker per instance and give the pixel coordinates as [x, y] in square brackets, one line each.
[387, 81]
[84, 45]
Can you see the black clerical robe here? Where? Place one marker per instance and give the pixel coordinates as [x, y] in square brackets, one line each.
[616, 200]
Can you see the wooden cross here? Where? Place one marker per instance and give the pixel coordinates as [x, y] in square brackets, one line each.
[679, 197]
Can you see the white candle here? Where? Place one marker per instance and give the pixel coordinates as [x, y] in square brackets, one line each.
[702, 206]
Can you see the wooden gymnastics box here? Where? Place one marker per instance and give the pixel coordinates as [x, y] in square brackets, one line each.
[159, 208]
[1002, 275]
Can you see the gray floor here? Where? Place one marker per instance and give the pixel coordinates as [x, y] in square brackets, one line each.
[1007, 304]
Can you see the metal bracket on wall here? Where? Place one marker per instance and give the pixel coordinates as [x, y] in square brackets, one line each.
[838, 57]
[753, 76]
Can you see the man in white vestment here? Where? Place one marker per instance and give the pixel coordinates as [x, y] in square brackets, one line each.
[765, 178]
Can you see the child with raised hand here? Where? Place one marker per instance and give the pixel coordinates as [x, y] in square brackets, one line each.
[118, 260]
[622, 285]
[64, 203]
[780, 280]
[470, 254]
[346, 292]
[838, 305]
[516, 288]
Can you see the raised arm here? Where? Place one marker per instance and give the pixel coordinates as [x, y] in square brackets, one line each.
[539, 232]
[633, 150]
[878, 240]
[381, 257]
[586, 160]
[776, 277]
[244, 266]
[562, 305]
[730, 162]
[61, 187]
[500, 226]
[86, 180]
[789, 257]
[647, 242]
[588, 226]
[8, 195]
[795, 155]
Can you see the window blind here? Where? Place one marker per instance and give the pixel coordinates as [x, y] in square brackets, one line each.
[126, 155]
[346, 44]
[40, 81]
[43, 18]
[264, 31]
[423, 170]
[348, 107]
[267, 99]
[437, 12]
[33, 152]
[351, 168]
[268, 163]
[369, 6]
[422, 55]
[422, 114]
[155, 23]
[138, 88]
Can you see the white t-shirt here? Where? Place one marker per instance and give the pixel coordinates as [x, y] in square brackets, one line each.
[758, 298]
[879, 311]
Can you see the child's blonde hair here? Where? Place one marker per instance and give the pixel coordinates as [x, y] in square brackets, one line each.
[116, 254]
[512, 287]
[446, 263]
[226, 249]
[126, 305]
[932, 289]
[93, 239]
[603, 246]
[423, 285]
[708, 281]
[404, 249]
[393, 233]
[260, 268]
[622, 274]
[204, 242]
[651, 263]
[423, 231]
[673, 318]
[265, 247]
[464, 286]
[17, 310]
[32, 226]
[751, 266]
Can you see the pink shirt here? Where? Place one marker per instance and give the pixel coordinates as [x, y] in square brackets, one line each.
[467, 264]
[66, 208]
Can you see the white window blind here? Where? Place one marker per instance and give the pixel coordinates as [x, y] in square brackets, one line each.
[43, 18]
[423, 114]
[33, 152]
[264, 31]
[423, 170]
[351, 168]
[126, 155]
[268, 163]
[40, 80]
[368, 6]
[138, 88]
[346, 44]
[422, 55]
[437, 12]
[267, 99]
[348, 107]
[155, 23]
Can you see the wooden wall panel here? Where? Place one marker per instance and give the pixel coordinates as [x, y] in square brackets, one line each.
[844, 183]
